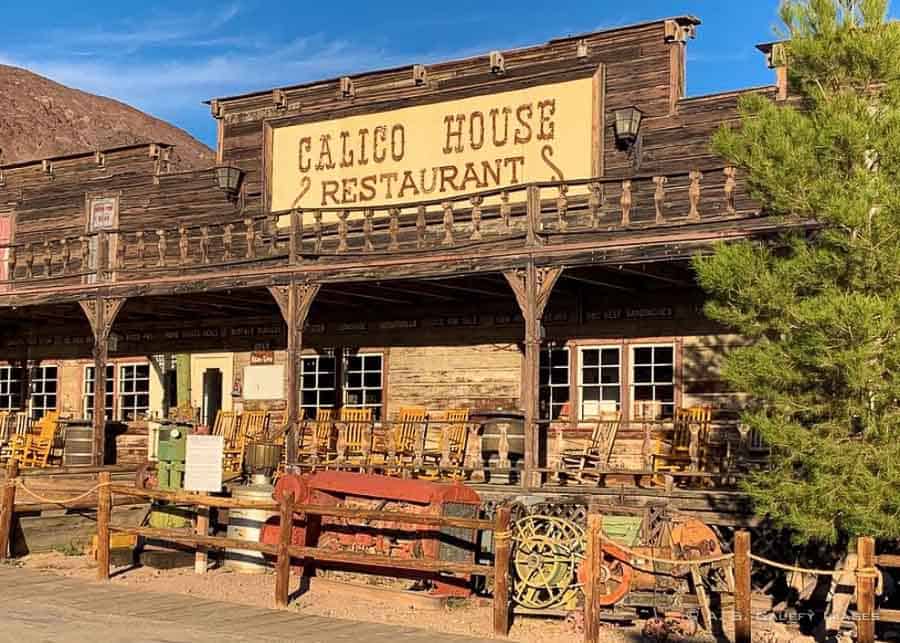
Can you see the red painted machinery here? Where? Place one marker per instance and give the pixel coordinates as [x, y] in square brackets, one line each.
[398, 540]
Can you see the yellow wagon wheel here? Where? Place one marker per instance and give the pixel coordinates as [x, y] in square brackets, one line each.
[547, 552]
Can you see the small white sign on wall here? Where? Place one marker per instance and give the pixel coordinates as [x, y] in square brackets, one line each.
[264, 382]
[203, 463]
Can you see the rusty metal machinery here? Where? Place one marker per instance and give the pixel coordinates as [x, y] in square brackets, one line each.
[549, 548]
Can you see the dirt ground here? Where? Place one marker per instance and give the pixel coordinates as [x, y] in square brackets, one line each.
[472, 617]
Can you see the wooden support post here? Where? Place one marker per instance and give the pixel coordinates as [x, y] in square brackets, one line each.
[104, 508]
[742, 616]
[8, 508]
[283, 564]
[593, 561]
[202, 529]
[532, 287]
[865, 590]
[101, 314]
[501, 571]
[294, 301]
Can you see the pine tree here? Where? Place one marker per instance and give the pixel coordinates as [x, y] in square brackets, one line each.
[820, 310]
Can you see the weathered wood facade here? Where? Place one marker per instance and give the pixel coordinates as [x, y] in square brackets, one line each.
[113, 253]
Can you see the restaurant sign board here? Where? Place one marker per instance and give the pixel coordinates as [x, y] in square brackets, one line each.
[546, 132]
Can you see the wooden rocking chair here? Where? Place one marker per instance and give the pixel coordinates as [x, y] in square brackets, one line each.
[38, 445]
[588, 463]
[688, 449]
[354, 445]
[449, 460]
[228, 426]
[406, 440]
[317, 440]
[19, 424]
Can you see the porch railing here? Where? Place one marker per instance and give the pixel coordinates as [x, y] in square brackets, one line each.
[526, 215]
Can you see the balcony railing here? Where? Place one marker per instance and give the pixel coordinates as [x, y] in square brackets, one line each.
[527, 215]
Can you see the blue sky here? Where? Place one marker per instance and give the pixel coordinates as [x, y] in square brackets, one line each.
[167, 57]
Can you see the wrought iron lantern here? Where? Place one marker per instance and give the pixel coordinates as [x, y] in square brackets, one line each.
[229, 178]
[627, 126]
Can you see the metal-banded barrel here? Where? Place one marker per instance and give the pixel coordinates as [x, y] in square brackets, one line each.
[79, 446]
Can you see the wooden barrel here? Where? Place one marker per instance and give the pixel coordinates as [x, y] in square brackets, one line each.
[79, 445]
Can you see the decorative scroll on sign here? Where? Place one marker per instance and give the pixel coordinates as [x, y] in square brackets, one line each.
[438, 150]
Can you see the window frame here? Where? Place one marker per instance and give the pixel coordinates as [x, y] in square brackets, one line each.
[33, 395]
[379, 410]
[550, 387]
[20, 395]
[580, 385]
[121, 393]
[87, 399]
[675, 382]
[335, 389]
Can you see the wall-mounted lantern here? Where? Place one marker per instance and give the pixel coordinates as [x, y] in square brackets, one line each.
[229, 178]
[627, 130]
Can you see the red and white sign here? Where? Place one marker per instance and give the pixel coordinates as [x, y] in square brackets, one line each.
[103, 214]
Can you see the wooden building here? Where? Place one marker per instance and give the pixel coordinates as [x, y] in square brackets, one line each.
[511, 230]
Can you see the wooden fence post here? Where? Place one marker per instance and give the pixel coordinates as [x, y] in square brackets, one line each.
[283, 565]
[592, 562]
[8, 509]
[742, 621]
[201, 557]
[501, 571]
[104, 508]
[865, 589]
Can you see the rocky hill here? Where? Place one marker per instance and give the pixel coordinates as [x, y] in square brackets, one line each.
[40, 118]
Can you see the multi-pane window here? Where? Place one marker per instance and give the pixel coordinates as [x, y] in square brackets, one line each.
[134, 391]
[10, 388]
[43, 390]
[89, 387]
[318, 383]
[653, 375]
[599, 379]
[363, 381]
[554, 381]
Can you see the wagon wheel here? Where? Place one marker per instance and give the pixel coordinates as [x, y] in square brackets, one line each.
[614, 579]
[547, 552]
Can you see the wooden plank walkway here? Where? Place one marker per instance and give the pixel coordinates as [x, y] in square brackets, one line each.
[38, 604]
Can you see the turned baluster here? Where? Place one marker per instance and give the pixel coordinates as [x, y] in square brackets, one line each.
[474, 460]
[250, 235]
[295, 247]
[84, 251]
[227, 241]
[445, 447]
[273, 232]
[394, 229]
[121, 249]
[64, 255]
[419, 447]
[503, 446]
[562, 208]
[476, 218]
[448, 223]
[558, 463]
[11, 257]
[183, 244]
[139, 235]
[367, 230]
[659, 197]
[317, 231]
[595, 203]
[47, 259]
[162, 247]
[730, 184]
[342, 231]
[29, 261]
[625, 202]
[694, 447]
[505, 210]
[694, 195]
[204, 244]
[420, 227]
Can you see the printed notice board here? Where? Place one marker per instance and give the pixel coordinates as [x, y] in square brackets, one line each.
[203, 463]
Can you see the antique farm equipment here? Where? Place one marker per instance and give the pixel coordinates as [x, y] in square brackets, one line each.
[165, 470]
[549, 545]
[359, 491]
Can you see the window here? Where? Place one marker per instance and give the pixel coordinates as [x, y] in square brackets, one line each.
[318, 383]
[653, 375]
[43, 390]
[89, 381]
[134, 391]
[554, 381]
[10, 388]
[363, 381]
[600, 379]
